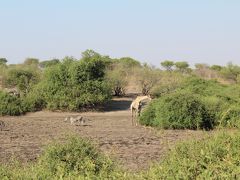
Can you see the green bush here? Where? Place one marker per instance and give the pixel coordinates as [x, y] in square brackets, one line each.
[78, 157]
[215, 106]
[148, 116]
[202, 87]
[214, 157]
[34, 101]
[174, 109]
[10, 105]
[118, 80]
[22, 78]
[75, 159]
[74, 85]
[217, 157]
[181, 110]
[230, 117]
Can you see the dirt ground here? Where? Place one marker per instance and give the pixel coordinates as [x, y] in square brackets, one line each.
[135, 148]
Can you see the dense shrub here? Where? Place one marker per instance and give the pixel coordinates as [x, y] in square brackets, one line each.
[181, 110]
[118, 80]
[207, 88]
[74, 85]
[48, 63]
[217, 157]
[215, 106]
[75, 159]
[148, 116]
[214, 157]
[168, 83]
[77, 156]
[147, 77]
[10, 105]
[202, 87]
[230, 117]
[22, 78]
[219, 105]
[34, 101]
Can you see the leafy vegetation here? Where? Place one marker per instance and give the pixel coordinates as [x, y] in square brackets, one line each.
[217, 157]
[10, 105]
[194, 104]
[23, 79]
[214, 157]
[68, 85]
[75, 159]
[204, 97]
[179, 110]
[117, 79]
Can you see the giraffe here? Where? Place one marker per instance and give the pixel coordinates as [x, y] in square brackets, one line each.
[137, 105]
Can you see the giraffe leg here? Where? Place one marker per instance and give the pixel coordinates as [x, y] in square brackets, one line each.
[136, 118]
[132, 117]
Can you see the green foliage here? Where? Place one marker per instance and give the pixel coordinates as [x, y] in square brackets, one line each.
[168, 83]
[220, 104]
[214, 157]
[73, 85]
[31, 62]
[217, 157]
[92, 55]
[10, 105]
[216, 67]
[201, 66]
[75, 159]
[182, 66]
[147, 77]
[181, 110]
[231, 72]
[89, 69]
[148, 117]
[3, 61]
[230, 117]
[34, 101]
[202, 87]
[215, 106]
[49, 63]
[77, 156]
[67, 85]
[118, 80]
[23, 79]
[128, 62]
[168, 65]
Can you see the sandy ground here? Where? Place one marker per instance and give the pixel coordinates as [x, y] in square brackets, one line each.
[135, 148]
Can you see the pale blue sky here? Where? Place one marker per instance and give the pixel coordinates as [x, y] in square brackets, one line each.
[148, 30]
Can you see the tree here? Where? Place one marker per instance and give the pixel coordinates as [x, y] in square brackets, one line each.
[129, 62]
[182, 66]
[216, 67]
[22, 79]
[168, 65]
[31, 61]
[231, 72]
[48, 63]
[73, 85]
[3, 61]
[201, 66]
[89, 54]
[204, 71]
[90, 68]
[147, 77]
[118, 80]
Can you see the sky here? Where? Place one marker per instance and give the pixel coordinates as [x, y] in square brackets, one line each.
[197, 31]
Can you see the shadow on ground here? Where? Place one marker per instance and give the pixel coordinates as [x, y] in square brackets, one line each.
[117, 105]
